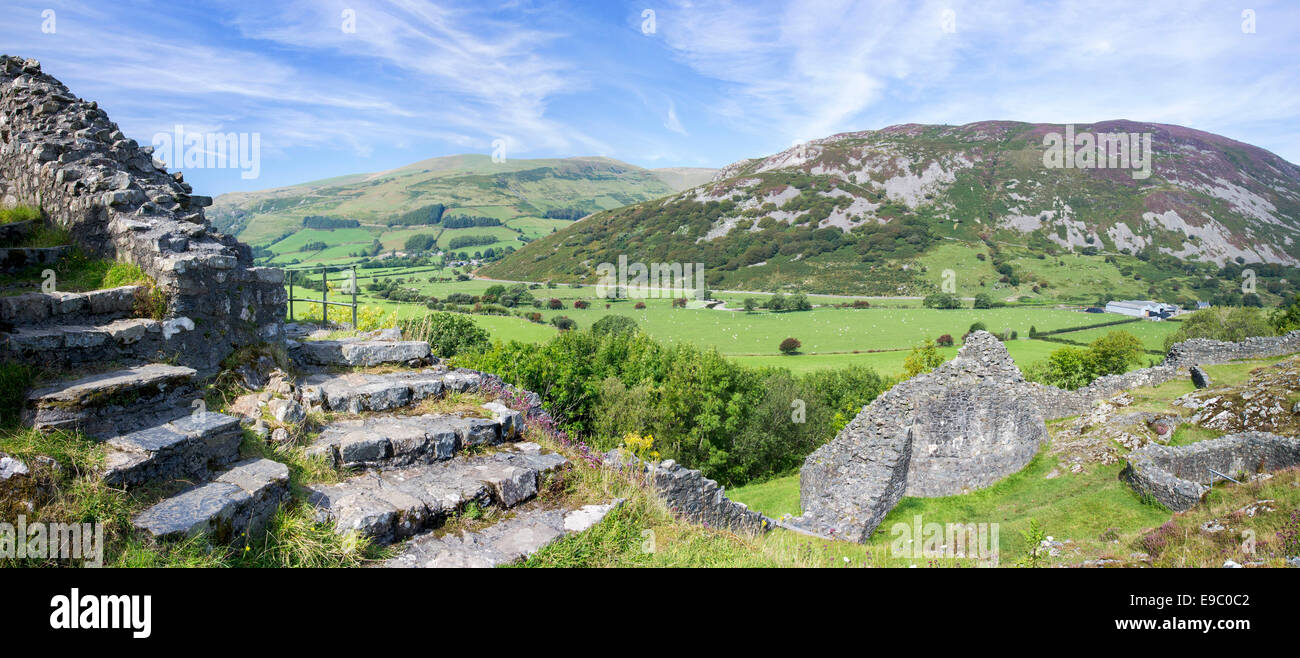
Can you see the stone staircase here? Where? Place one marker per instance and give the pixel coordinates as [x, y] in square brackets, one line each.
[69, 329]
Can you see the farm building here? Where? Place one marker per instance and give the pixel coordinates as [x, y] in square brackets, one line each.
[1142, 309]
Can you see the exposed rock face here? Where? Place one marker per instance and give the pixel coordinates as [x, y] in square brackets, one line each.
[960, 427]
[1178, 476]
[64, 154]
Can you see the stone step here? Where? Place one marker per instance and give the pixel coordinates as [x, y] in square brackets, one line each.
[391, 505]
[111, 402]
[389, 441]
[362, 352]
[189, 447]
[93, 307]
[14, 231]
[357, 392]
[127, 340]
[240, 500]
[13, 259]
[501, 543]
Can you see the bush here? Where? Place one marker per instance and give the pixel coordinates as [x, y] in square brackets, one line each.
[941, 300]
[944, 341]
[790, 346]
[1071, 368]
[1222, 323]
[924, 358]
[982, 300]
[555, 304]
[734, 423]
[639, 306]
[614, 324]
[564, 323]
[448, 334]
[580, 304]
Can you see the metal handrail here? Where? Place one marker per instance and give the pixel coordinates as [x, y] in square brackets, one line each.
[324, 293]
[1214, 473]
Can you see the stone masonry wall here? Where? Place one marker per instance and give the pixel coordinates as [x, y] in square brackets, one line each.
[959, 427]
[63, 154]
[1177, 476]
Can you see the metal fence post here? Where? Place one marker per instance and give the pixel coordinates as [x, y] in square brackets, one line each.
[354, 299]
[324, 298]
[291, 295]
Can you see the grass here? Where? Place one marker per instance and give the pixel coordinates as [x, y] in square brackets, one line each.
[14, 214]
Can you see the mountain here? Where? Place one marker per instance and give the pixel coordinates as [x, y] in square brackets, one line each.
[889, 211]
[531, 198]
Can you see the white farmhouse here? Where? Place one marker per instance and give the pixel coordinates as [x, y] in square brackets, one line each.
[1142, 309]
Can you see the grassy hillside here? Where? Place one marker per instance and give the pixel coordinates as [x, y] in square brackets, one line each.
[891, 211]
[531, 199]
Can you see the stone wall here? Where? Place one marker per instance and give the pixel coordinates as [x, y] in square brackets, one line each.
[967, 424]
[960, 427]
[63, 154]
[1178, 476]
[688, 493]
[1202, 351]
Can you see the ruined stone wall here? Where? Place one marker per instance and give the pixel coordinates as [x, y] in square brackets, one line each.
[1202, 351]
[63, 154]
[1178, 476]
[960, 427]
[688, 493]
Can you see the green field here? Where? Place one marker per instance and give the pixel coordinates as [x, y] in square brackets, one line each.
[879, 337]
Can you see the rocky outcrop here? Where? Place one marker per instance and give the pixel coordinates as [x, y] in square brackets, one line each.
[688, 493]
[959, 427]
[1179, 476]
[63, 154]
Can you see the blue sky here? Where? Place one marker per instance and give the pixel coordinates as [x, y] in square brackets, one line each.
[712, 83]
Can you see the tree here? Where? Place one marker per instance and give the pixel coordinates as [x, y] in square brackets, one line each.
[776, 303]
[944, 341]
[790, 346]
[750, 304]
[1288, 318]
[924, 358]
[1114, 353]
[555, 304]
[941, 300]
[983, 300]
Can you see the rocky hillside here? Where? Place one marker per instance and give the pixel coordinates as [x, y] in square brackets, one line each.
[535, 190]
[887, 211]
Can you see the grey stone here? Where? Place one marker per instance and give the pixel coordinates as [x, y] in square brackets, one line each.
[241, 500]
[287, 411]
[365, 353]
[1176, 476]
[1200, 378]
[957, 428]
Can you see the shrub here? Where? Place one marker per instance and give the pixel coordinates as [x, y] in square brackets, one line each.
[564, 323]
[944, 341]
[923, 358]
[448, 334]
[555, 304]
[790, 346]
[580, 304]
[613, 324]
[941, 300]
[982, 300]
[1222, 323]
[639, 306]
